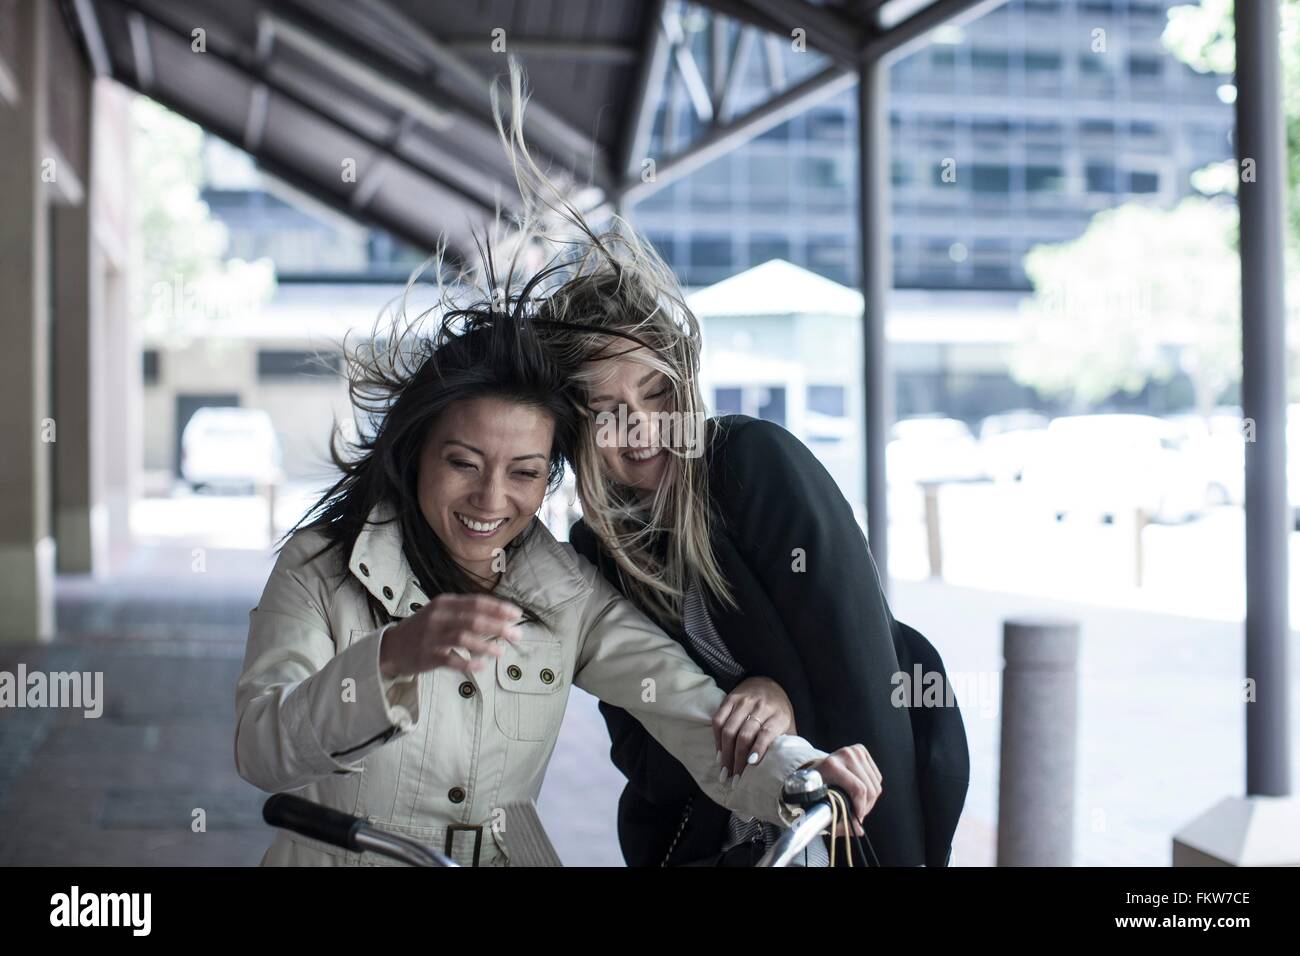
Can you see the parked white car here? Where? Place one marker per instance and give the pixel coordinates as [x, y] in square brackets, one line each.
[932, 449]
[1009, 441]
[1109, 466]
[1219, 447]
[230, 448]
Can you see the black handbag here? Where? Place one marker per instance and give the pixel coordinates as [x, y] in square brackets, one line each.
[747, 853]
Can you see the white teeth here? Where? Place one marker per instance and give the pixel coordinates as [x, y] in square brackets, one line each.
[479, 525]
[642, 455]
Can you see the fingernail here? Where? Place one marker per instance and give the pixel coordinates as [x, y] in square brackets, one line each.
[717, 755]
[722, 775]
[753, 759]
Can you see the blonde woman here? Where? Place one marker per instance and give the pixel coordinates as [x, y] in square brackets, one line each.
[411, 655]
[732, 537]
[737, 541]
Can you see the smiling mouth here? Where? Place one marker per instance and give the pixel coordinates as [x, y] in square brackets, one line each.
[640, 455]
[479, 529]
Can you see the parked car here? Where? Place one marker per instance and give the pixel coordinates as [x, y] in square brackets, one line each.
[932, 449]
[230, 448]
[1109, 466]
[1009, 441]
[1219, 447]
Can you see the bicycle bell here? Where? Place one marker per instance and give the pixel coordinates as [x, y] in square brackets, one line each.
[803, 788]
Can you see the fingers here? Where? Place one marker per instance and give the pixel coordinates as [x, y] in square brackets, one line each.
[720, 721]
[456, 630]
[871, 761]
[466, 665]
[849, 771]
[483, 615]
[748, 737]
[766, 735]
[478, 646]
[858, 757]
[730, 732]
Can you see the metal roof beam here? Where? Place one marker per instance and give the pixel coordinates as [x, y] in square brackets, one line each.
[349, 60]
[912, 32]
[585, 51]
[645, 99]
[234, 62]
[722, 139]
[293, 177]
[93, 36]
[826, 30]
[548, 131]
[141, 55]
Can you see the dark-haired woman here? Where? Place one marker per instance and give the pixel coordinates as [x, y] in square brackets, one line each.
[410, 658]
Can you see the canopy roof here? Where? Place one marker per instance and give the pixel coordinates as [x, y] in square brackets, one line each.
[381, 108]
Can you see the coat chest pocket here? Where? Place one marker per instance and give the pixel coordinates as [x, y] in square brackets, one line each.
[531, 689]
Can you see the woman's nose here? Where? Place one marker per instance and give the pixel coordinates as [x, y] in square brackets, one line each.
[489, 494]
[641, 428]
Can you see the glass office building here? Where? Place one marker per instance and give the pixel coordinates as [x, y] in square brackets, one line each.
[1047, 111]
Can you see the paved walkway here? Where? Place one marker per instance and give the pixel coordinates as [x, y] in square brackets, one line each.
[1161, 728]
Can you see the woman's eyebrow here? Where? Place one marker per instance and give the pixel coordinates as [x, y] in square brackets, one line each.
[605, 398]
[479, 451]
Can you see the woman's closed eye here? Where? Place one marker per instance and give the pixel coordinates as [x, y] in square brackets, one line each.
[462, 464]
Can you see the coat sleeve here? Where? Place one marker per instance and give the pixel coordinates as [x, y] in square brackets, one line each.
[305, 709]
[625, 660]
[651, 771]
[799, 536]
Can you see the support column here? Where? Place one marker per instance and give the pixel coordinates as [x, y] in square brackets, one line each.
[1263, 827]
[1261, 141]
[876, 279]
[26, 545]
[80, 517]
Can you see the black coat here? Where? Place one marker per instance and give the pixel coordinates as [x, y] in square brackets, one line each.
[811, 616]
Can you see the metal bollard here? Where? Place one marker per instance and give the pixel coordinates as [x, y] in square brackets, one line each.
[933, 539]
[1040, 690]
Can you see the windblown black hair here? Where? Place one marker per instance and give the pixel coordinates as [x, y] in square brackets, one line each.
[480, 340]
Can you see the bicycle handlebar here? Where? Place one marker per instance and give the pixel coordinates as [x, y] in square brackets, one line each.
[293, 813]
[312, 820]
[804, 789]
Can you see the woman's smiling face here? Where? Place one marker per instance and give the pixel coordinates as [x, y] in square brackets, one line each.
[635, 456]
[483, 473]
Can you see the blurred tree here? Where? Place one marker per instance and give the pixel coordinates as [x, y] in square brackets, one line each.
[1142, 294]
[180, 276]
[1145, 292]
[1204, 37]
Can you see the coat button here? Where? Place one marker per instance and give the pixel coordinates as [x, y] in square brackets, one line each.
[513, 672]
[388, 592]
[467, 689]
[416, 605]
[548, 675]
[456, 795]
[364, 570]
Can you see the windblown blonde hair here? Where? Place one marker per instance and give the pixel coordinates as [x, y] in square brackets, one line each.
[618, 297]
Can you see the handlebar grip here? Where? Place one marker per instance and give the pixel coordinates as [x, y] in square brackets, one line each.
[312, 820]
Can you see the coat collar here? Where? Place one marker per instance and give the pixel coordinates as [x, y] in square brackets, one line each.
[539, 572]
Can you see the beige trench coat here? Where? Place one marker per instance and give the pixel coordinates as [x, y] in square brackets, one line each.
[415, 755]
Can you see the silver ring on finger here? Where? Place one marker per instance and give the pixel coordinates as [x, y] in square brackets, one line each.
[755, 719]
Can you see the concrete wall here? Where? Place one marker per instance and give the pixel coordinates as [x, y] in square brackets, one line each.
[300, 408]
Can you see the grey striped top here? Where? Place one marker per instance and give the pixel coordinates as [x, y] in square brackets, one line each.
[708, 645]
